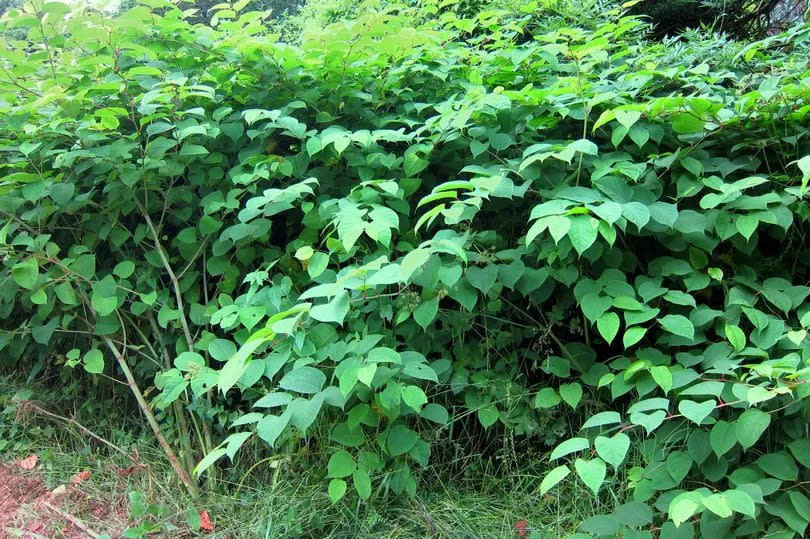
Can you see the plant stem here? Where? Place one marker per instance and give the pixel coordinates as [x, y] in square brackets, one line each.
[181, 472]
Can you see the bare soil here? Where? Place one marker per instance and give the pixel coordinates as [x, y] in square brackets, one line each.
[28, 509]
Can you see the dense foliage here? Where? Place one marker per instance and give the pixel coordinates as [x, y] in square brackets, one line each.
[414, 229]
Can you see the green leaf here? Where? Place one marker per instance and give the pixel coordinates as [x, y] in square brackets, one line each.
[553, 477]
[411, 262]
[682, 507]
[722, 437]
[602, 418]
[750, 426]
[304, 253]
[401, 439]
[717, 504]
[627, 117]
[571, 394]
[583, 232]
[271, 427]
[64, 291]
[612, 450]
[685, 122]
[414, 397]
[362, 483]
[696, 411]
[804, 167]
[663, 377]
[482, 278]
[779, 465]
[679, 325]
[546, 398]
[341, 464]
[304, 379]
[94, 361]
[317, 264]
[436, 413]
[334, 311]
[633, 335]
[209, 459]
[594, 306]
[26, 273]
[124, 269]
[572, 445]
[488, 415]
[592, 472]
[650, 422]
[735, 336]
[336, 490]
[221, 349]
[741, 502]
[678, 464]
[236, 365]
[426, 312]
[608, 325]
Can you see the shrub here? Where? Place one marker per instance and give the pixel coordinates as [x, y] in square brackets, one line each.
[415, 225]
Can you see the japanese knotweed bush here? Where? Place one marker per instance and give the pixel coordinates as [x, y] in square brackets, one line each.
[414, 225]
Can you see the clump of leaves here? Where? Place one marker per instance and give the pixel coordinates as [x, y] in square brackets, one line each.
[413, 224]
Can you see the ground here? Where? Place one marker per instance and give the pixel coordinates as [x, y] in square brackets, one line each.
[29, 509]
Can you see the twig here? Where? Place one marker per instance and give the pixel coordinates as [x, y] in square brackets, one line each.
[75, 521]
[81, 427]
[181, 472]
[178, 294]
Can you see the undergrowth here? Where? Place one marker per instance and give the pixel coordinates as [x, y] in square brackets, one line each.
[475, 501]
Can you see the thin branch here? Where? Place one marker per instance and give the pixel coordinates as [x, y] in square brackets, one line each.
[75, 521]
[175, 283]
[38, 409]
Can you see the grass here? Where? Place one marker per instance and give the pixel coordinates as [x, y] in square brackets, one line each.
[467, 499]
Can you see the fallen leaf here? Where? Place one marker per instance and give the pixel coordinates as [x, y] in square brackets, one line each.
[126, 471]
[520, 526]
[205, 521]
[84, 475]
[29, 462]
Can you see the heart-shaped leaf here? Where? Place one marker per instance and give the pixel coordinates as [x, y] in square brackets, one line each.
[592, 472]
[696, 411]
[650, 422]
[613, 449]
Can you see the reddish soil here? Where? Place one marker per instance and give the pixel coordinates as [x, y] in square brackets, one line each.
[29, 510]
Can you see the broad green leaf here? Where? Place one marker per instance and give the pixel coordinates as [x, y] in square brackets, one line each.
[663, 377]
[750, 426]
[632, 335]
[341, 464]
[271, 427]
[336, 489]
[582, 232]
[401, 439]
[571, 394]
[735, 336]
[425, 313]
[553, 477]
[696, 411]
[612, 450]
[602, 418]
[333, 311]
[26, 273]
[546, 398]
[679, 325]
[592, 472]
[303, 379]
[94, 361]
[608, 325]
[569, 446]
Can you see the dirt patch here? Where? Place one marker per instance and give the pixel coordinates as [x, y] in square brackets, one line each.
[29, 510]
